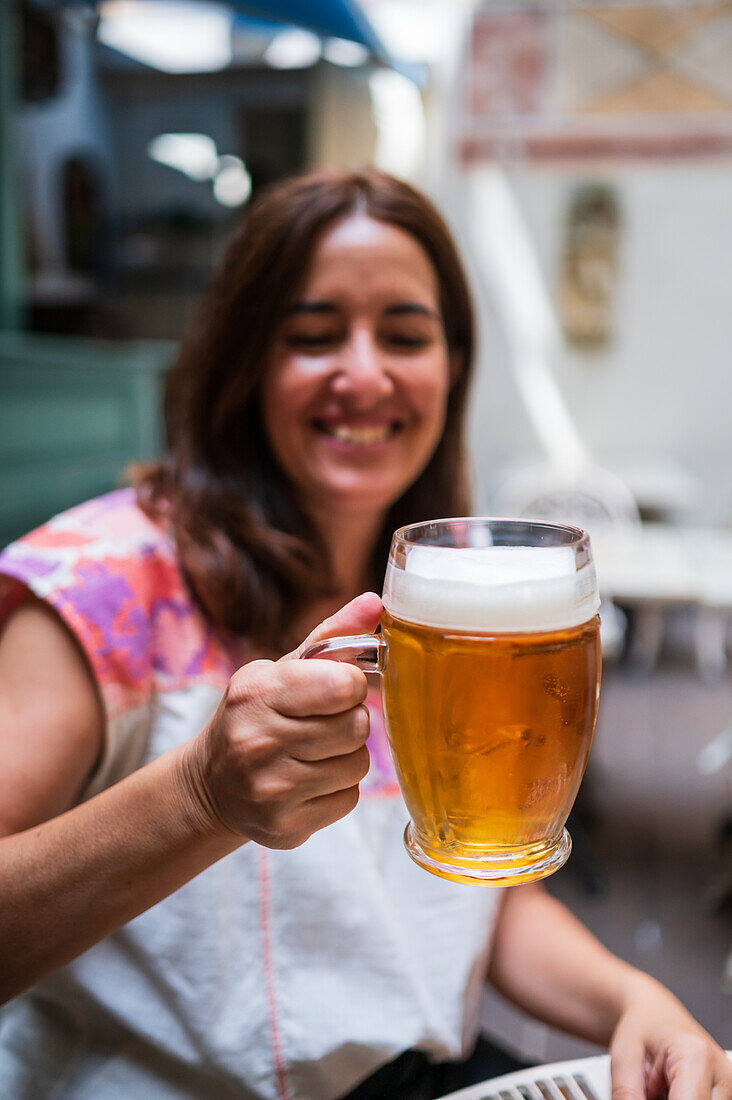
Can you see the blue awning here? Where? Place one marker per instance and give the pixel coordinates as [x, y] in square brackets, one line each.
[331, 18]
[328, 18]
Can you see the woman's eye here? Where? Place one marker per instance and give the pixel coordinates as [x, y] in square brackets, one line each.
[310, 339]
[406, 340]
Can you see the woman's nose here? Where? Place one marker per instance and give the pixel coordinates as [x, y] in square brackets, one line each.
[362, 372]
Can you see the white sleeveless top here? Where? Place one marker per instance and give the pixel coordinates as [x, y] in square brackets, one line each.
[281, 975]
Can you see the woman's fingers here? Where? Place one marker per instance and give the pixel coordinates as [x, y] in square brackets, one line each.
[323, 738]
[722, 1088]
[656, 1077]
[627, 1069]
[332, 807]
[696, 1069]
[688, 1067]
[691, 1081]
[284, 819]
[316, 779]
[310, 817]
[299, 689]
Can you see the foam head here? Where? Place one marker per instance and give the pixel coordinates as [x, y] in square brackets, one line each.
[505, 589]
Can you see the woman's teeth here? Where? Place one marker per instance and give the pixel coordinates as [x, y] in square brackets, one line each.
[362, 436]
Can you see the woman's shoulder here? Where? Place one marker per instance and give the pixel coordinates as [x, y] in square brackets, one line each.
[106, 536]
[113, 523]
[103, 546]
[112, 574]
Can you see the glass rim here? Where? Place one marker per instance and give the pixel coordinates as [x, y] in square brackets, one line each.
[404, 535]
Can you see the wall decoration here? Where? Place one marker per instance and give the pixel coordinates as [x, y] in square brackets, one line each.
[589, 273]
[576, 80]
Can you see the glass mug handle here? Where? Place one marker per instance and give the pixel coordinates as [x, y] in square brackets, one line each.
[368, 651]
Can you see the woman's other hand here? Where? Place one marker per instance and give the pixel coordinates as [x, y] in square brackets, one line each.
[658, 1049]
[551, 966]
[285, 751]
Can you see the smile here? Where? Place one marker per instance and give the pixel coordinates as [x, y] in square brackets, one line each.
[364, 436]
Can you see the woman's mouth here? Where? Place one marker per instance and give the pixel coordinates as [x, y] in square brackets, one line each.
[358, 435]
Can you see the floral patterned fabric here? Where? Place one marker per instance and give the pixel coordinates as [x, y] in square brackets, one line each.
[112, 575]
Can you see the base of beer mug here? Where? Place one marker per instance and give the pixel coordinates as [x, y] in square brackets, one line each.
[494, 868]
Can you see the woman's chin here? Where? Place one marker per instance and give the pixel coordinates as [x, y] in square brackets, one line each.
[358, 498]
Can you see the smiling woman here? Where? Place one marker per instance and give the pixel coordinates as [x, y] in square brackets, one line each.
[326, 373]
[204, 892]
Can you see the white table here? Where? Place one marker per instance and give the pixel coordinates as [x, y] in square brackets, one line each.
[657, 566]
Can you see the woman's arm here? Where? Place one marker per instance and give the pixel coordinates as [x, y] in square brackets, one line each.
[281, 758]
[51, 719]
[550, 965]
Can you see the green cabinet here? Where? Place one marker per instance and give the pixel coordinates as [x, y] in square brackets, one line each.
[73, 414]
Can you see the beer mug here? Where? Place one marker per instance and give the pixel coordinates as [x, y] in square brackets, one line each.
[489, 655]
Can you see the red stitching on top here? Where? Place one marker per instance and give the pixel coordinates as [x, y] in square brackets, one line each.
[283, 1083]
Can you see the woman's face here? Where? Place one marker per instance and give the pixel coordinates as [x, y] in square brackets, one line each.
[355, 392]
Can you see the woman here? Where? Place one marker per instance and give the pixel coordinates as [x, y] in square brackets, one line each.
[152, 729]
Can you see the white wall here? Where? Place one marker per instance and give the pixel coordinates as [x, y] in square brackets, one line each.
[662, 389]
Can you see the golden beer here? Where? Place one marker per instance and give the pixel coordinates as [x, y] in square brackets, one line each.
[489, 733]
[490, 659]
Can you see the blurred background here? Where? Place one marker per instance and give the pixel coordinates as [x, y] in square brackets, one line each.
[582, 153]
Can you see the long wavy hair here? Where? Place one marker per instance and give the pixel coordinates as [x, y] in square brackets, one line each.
[250, 554]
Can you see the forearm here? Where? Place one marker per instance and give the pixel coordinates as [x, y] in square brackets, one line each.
[68, 883]
[547, 963]
[550, 965]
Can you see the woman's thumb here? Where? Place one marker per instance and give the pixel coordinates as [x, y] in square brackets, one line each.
[360, 616]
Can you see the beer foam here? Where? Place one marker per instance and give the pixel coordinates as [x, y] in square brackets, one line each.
[509, 589]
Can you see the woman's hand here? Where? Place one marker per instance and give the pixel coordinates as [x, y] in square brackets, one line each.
[285, 751]
[658, 1049]
[546, 962]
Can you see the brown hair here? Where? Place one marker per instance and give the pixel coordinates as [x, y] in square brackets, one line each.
[250, 555]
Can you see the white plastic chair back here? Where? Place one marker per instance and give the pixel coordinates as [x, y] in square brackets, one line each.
[581, 1079]
[585, 496]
